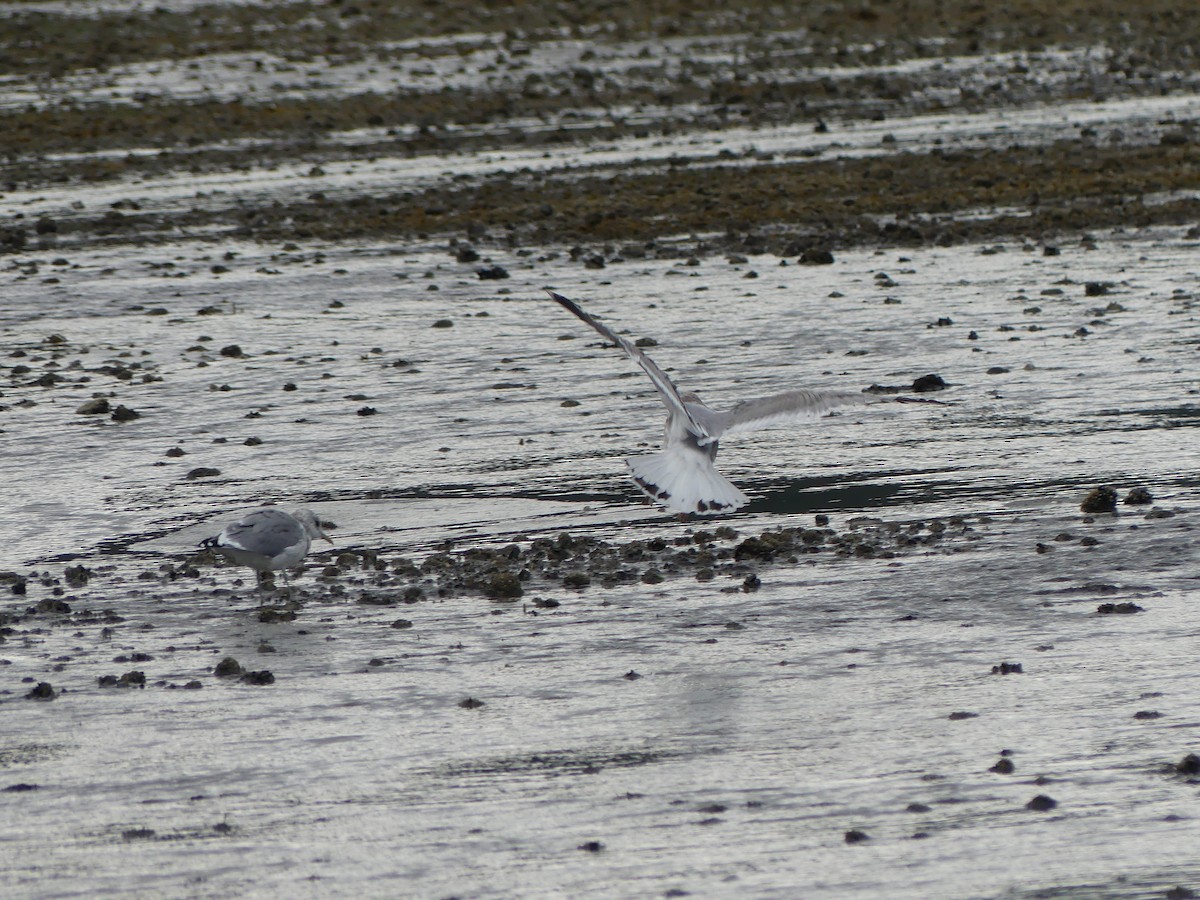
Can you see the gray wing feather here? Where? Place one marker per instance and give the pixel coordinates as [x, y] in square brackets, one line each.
[666, 387]
[265, 531]
[791, 406]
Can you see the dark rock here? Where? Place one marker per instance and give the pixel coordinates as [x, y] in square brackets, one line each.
[443, 323]
[1120, 609]
[1006, 668]
[1003, 767]
[42, 691]
[466, 254]
[492, 273]
[125, 414]
[202, 472]
[576, 580]
[227, 668]
[1189, 765]
[471, 703]
[1100, 500]
[1139, 496]
[591, 846]
[855, 836]
[504, 586]
[816, 257]
[233, 351]
[927, 383]
[97, 406]
[258, 678]
[1041, 803]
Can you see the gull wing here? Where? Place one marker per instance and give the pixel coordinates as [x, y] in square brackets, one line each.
[666, 387]
[792, 406]
[265, 531]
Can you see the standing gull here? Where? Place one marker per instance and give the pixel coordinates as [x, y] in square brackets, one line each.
[682, 478]
[268, 539]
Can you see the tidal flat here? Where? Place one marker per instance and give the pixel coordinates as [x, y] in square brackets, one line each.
[294, 253]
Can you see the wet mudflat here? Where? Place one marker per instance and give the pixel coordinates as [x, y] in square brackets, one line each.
[913, 666]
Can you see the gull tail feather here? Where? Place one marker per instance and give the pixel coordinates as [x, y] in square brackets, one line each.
[684, 481]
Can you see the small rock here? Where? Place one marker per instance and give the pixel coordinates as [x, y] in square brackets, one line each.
[1003, 767]
[42, 691]
[1120, 609]
[202, 472]
[125, 414]
[504, 586]
[443, 323]
[1189, 765]
[492, 273]
[1006, 668]
[259, 678]
[1041, 803]
[927, 383]
[815, 257]
[94, 407]
[591, 846]
[1100, 500]
[233, 351]
[855, 836]
[228, 667]
[471, 703]
[1139, 496]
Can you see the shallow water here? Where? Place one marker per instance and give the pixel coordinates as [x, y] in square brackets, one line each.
[683, 729]
[765, 725]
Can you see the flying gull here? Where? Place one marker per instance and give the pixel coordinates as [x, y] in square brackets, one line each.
[268, 539]
[682, 477]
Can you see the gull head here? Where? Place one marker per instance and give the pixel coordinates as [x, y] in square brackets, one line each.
[311, 523]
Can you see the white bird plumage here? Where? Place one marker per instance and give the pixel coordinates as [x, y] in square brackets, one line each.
[682, 477]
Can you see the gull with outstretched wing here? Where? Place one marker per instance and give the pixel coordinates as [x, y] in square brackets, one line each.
[682, 477]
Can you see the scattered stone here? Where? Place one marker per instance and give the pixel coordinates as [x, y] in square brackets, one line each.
[228, 667]
[576, 580]
[443, 323]
[202, 472]
[471, 703]
[20, 787]
[258, 678]
[591, 846]
[233, 351]
[492, 273]
[1189, 765]
[504, 586]
[125, 414]
[1006, 668]
[1003, 767]
[1139, 496]
[97, 406]
[814, 257]
[927, 383]
[917, 808]
[1120, 609]
[402, 624]
[138, 834]
[1100, 500]
[42, 691]
[1147, 715]
[959, 716]
[77, 576]
[631, 675]
[1041, 803]
[367, 411]
[855, 836]
[1097, 288]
